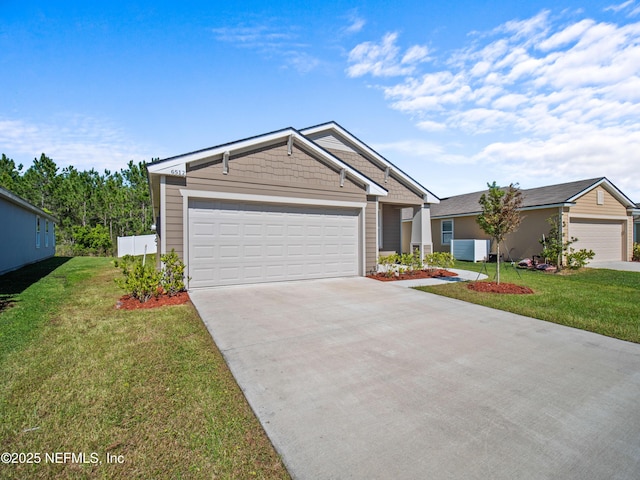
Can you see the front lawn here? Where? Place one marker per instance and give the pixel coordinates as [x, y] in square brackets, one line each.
[131, 394]
[598, 300]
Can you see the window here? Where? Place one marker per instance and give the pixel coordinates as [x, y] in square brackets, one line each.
[46, 233]
[447, 232]
[37, 232]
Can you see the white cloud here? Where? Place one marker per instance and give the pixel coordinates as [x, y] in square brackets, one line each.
[356, 23]
[76, 140]
[417, 53]
[383, 59]
[570, 34]
[412, 147]
[301, 61]
[431, 126]
[560, 95]
[621, 6]
[281, 42]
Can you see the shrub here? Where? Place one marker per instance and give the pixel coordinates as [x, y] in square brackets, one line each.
[172, 278]
[388, 262]
[389, 259]
[141, 281]
[555, 250]
[580, 258]
[91, 240]
[439, 260]
[411, 260]
[636, 252]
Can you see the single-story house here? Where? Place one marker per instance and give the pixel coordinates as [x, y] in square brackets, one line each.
[29, 232]
[286, 205]
[594, 211]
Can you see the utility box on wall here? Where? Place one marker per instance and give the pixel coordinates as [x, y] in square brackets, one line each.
[470, 250]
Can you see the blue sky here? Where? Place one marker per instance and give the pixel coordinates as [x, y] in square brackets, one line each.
[457, 93]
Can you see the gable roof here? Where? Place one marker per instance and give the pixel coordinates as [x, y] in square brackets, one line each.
[177, 166]
[375, 157]
[21, 202]
[533, 198]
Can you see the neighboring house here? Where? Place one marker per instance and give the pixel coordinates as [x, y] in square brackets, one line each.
[287, 205]
[594, 211]
[28, 233]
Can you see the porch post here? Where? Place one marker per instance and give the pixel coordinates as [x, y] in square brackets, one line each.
[421, 230]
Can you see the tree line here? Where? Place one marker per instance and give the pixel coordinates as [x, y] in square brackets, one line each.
[92, 208]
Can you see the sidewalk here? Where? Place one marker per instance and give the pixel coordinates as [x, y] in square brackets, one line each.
[463, 276]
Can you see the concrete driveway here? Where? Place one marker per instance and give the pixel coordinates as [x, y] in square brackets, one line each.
[625, 266]
[353, 378]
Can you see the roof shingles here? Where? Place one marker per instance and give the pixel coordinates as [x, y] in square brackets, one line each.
[468, 203]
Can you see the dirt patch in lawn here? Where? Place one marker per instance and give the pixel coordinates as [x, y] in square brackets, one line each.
[127, 302]
[414, 275]
[493, 287]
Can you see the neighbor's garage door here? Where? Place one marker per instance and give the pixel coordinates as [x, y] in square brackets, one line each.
[604, 237]
[236, 243]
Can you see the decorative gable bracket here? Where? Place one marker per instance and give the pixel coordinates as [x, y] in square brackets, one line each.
[225, 163]
[290, 145]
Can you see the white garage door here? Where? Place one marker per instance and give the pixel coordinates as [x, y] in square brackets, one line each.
[236, 243]
[602, 236]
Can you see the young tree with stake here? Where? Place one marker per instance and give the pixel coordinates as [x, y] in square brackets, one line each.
[500, 214]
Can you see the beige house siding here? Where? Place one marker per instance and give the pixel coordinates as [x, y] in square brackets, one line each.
[273, 166]
[371, 235]
[463, 228]
[525, 242]
[398, 193]
[173, 222]
[522, 243]
[587, 204]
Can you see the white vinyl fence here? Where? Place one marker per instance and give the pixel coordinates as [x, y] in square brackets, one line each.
[135, 245]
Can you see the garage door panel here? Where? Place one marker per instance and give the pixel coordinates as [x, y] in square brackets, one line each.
[314, 231]
[229, 251]
[203, 252]
[604, 237]
[229, 230]
[295, 250]
[295, 231]
[250, 243]
[202, 229]
[252, 272]
[332, 249]
[252, 251]
[252, 230]
[229, 273]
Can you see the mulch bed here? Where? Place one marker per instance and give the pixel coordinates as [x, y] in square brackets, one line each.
[493, 287]
[414, 275]
[126, 302]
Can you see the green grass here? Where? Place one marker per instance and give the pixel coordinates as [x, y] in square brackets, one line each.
[147, 385]
[602, 301]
